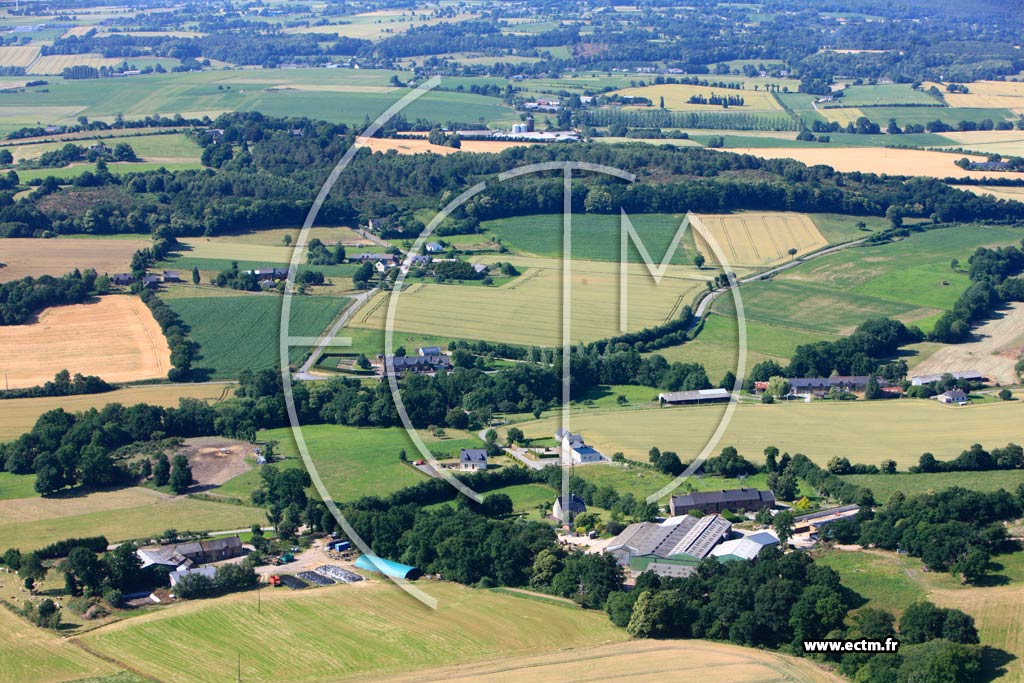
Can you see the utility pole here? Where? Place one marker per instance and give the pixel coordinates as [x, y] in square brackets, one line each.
[239, 667]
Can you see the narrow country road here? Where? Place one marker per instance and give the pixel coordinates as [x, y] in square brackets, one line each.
[709, 297]
[357, 302]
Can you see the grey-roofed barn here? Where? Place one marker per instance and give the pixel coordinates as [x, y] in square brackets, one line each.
[717, 501]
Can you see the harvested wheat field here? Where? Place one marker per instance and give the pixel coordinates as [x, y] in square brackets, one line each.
[677, 97]
[55, 64]
[993, 351]
[999, 614]
[413, 146]
[907, 162]
[18, 55]
[985, 94]
[638, 662]
[842, 115]
[759, 239]
[114, 337]
[1006, 142]
[17, 415]
[21, 257]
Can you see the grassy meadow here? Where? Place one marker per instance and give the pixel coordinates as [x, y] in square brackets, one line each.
[28, 653]
[120, 514]
[884, 485]
[371, 628]
[910, 279]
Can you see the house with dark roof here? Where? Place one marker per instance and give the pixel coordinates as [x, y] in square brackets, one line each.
[214, 550]
[429, 351]
[734, 500]
[473, 459]
[269, 274]
[574, 506]
[172, 276]
[434, 247]
[122, 279]
[150, 282]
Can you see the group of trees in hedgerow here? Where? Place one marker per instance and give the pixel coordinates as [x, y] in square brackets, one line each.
[62, 384]
[70, 449]
[992, 284]
[781, 600]
[264, 176]
[974, 459]
[21, 299]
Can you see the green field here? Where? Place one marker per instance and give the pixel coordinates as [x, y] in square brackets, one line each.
[717, 345]
[866, 432]
[924, 115]
[172, 145]
[119, 515]
[28, 653]
[875, 95]
[910, 279]
[352, 462]
[239, 332]
[117, 168]
[884, 485]
[641, 481]
[17, 485]
[884, 579]
[372, 629]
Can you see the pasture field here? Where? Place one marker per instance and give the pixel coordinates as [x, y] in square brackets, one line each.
[884, 485]
[18, 55]
[353, 462]
[990, 94]
[114, 337]
[29, 653]
[908, 162]
[759, 238]
[69, 173]
[642, 482]
[18, 415]
[640, 661]
[340, 630]
[875, 95]
[910, 279]
[676, 96]
[21, 257]
[893, 582]
[993, 350]
[865, 432]
[527, 310]
[948, 115]
[169, 147]
[239, 332]
[120, 514]
[258, 250]
[371, 341]
[381, 23]
[716, 347]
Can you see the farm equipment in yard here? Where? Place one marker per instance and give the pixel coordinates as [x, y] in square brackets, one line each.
[274, 580]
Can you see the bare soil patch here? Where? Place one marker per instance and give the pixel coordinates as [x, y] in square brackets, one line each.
[216, 460]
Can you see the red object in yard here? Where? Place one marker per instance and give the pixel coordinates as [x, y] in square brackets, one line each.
[419, 462]
[274, 580]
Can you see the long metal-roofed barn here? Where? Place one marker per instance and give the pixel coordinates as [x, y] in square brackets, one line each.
[710, 502]
[669, 546]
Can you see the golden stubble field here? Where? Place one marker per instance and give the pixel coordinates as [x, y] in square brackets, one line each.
[415, 146]
[527, 310]
[986, 94]
[759, 239]
[677, 96]
[21, 257]
[18, 55]
[908, 162]
[114, 337]
[865, 432]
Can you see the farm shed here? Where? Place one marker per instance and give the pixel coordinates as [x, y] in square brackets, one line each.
[392, 570]
[699, 396]
[746, 548]
[970, 375]
[682, 539]
[716, 501]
